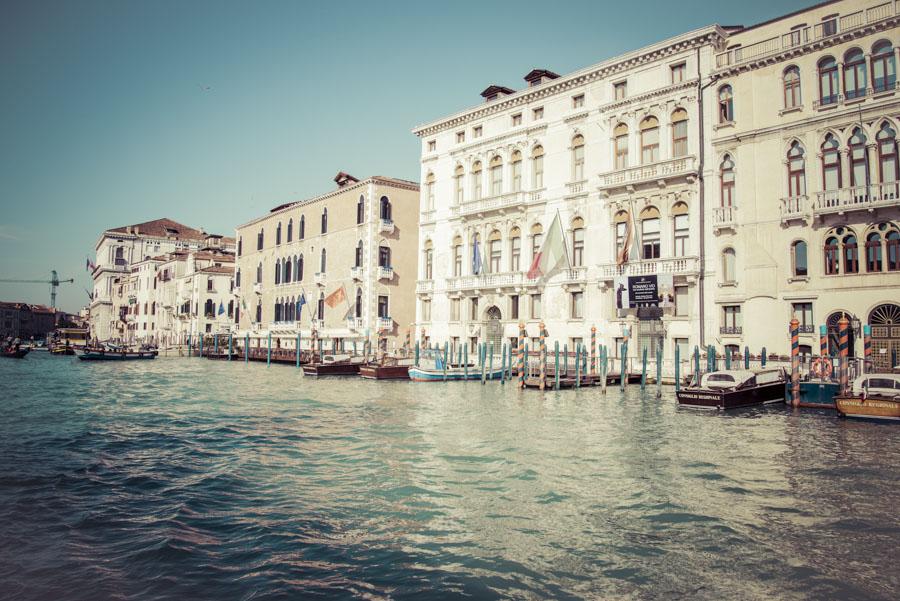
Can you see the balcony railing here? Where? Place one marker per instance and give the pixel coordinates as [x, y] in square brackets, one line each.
[731, 330]
[804, 35]
[857, 198]
[489, 280]
[807, 329]
[424, 286]
[427, 216]
[576, 187]
[673, 265]
[794, 207]
[385, 272]
[356, 273]
[724, 217]
[354, 323]
[319, 278]
[385, 226]
[575, 274]
[491, 203]
[385, 324]
[646, 173]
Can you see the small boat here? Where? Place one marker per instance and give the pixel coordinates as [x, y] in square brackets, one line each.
[334, 365]
[62, 350]
[730, 389]
[389, 369]
[452, 372]
[873, 396]
[116, 354]
[15, 353]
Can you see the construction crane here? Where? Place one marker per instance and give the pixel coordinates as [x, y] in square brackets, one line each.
[54, 282]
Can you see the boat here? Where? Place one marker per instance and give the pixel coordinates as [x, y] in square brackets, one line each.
[730, 389]
[116, 354]
[872, 396]
[62, 350]
[390, 368]
[15, 353]
[438, 373]
[334, 365]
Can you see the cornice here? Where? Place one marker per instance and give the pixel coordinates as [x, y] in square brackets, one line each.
[654, 94]
[712, 35]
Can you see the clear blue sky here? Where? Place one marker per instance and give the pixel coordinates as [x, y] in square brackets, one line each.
[105, 119]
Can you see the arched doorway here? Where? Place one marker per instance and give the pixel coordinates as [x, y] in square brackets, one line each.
[493, 330]
[834, 335]
[885, 322]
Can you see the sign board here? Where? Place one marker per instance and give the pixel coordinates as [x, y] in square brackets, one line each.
[644, 291]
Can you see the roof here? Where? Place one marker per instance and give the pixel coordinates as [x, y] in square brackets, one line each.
[493, 90]
[218, 269]
[161, 228]
[19, 306]
[536, 74]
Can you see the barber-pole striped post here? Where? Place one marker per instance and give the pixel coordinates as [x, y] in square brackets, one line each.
[844, 348]
[867, 347]
[406, 343]
[521, 366]
[543, 355]
[795, 362]
[593, 350]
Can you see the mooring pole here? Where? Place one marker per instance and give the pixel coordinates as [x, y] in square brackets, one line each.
[269, 351]
[230, 345]
[491, 363]
[746, 357]
[677, 368]
[843, 328]
[867, 348]
[577, 365]
[556, 364]
[543, 357]
[659, 360]
[247, 347]
[466, 360]
[795, 362]
[644, 368]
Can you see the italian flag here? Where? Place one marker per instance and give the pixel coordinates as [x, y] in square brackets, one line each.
[553, 255]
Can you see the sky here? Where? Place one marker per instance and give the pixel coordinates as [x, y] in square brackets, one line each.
[211, 113]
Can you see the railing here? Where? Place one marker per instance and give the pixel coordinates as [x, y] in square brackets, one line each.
[724, 216]
[489, 280]
[731, 330]
[575, 187]
[643, 173]
[536, 195]
[424, 286]
[857, 198]
[427, 216]
[800, 36]
[793, 207]
[807, 329]
[385, 272]
[497, 203]
[385, 226]
[673, 265]
[356, 273]
[385, 323]
[319, 278]
[354, 323]
[575, 274]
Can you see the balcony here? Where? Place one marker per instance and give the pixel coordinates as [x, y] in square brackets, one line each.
[768, 48]
[807, 329]
[319, 278]
[724, 218]
[794, 207]
[427, 216]
[355, 323]
[424, 286]
[356, 274]
[490, 280]
[623, 178]
[385, 324]
[573, 188]
[731, 330]
[858, 198]
[257, 288]
[512, 200]
[673, 265]
[385, 272]
[385, 226]
[575, 275]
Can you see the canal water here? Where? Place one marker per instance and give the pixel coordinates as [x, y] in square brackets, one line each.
[196, 479]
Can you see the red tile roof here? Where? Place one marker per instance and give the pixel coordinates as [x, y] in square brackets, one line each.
[162, 228]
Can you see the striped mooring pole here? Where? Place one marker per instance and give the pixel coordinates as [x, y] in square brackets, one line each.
[513, 352]
[593, 350]
[843, 329]
[542, 357]
[406, 343]
[867, 348]
[521, 357]
[795, 362]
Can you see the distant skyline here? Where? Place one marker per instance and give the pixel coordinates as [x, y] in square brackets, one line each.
[212, 113]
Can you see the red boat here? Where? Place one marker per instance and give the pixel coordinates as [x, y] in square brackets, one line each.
[333, 365]
[15, 353]
[391, 369]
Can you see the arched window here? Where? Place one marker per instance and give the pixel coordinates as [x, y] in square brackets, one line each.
[873, 252]
[237, 278]
[515, 249]
[728, 265]
[650, 233]
[496, 166]
[457, 255]
[726, 175]
[620, 143]
[429, 191]
[884, 71]
[385, 212]
[324, 227]
[259, 239]
[577, 242]
[578, 158]
[516, 170]
[679, 133]
[892, 244]
[259, 273]
[888, 168]
[796, 171]
[288, 264]
[358, 306]
[458, 179]
[299, 269]
[278, 234]
[277, 311]
[799, 261]
[831, 165]
[320, 309]
[854, 74]
[495, 251]
[851, 254]
[859, 164]
[726, 104]
[301, 234]
[428, 260]
[290, 230]
[277, 272]
[258, 311]
[361, 209]
[622, 223]
[537, 167]
[476, 180]
[792, 87]
[291, 309]
[649, 140]
[240, 246]
[828, 81]
[537, 238]
[831, 256]
[680, 229]
[358, 256]
[322, 262]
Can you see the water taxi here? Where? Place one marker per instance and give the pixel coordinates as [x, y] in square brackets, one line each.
[389, 368]
[872, 396]
[116, 354]
[730, 389]
[334, 365]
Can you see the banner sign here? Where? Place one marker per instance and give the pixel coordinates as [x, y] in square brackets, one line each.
[642, 291]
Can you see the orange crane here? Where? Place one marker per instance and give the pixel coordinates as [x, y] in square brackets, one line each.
[54, 282]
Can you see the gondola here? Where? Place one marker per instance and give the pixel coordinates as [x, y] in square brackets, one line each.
[16, 353]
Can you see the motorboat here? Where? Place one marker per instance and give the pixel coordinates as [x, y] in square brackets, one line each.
[334, 365]
[116, 354]
[872, 396]
[389, 368]
[730, 389]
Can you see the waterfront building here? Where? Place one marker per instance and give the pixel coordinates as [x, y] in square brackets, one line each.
[117, 249]
[342, 264]
[611, 156]
[24, 320]
[804, 218]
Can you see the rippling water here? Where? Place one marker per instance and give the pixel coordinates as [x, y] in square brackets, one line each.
[195, 479]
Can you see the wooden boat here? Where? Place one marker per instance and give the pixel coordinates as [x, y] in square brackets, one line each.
[62, 350]
[437, 374]
[334, 365]
[15, 353]
[102, 354]
[390, 369]
[729, 389]
[873, 396]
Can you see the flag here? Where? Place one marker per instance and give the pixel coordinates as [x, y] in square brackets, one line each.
[476, 259]
[338, 296]
[221, 308]
[552, 256]
[89, 265]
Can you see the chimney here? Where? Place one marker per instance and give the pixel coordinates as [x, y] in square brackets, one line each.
[137, 230]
